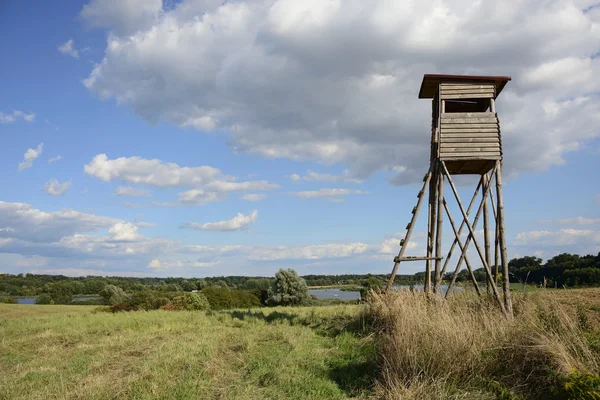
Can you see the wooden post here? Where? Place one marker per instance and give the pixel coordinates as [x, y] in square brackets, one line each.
[438, 233]
[502, 240]
[486, 235]
[495, 213]
[431, 226]
[472, 235]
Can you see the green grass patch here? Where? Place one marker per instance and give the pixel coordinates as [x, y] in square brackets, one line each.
[70, 352]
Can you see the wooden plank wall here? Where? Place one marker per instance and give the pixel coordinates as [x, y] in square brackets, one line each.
[467, 91]
[470, 136]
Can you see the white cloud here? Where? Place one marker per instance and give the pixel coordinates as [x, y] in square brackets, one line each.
[254, 197]
[29, 156]
[209, 183]
[353, 99]
[143, 224]
[55, 188]
[122, 16]
[392, 246]
[54, 159]
[150, 172]
[240, 221]
[131, 192]
[15, 115]
[159, 265]
[28, 223]
[562, 237]
[69, 48]
[124, 231]
[329, 194]
[312, 176]
[574, 221]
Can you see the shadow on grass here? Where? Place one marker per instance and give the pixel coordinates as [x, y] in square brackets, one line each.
[352, 366]
[270, 318]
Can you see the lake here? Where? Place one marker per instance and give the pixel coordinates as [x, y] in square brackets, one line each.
[337, 294]
[31, 300]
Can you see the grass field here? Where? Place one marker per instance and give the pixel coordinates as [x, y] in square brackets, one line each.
[399, 346]
[68, 352]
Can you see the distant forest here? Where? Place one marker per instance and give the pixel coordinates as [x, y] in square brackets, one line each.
[563, 270]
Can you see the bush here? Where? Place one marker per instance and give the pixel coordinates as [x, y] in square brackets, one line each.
[149, 300]
[222, 298]
[289, 289]
[190, 301]
[8, 300]
[44, 299]
[113, 295]
[121, 307]
[88, 302]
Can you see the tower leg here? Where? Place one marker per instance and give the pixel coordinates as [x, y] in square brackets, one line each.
[438, 233]
[486, 234]
[431, 224]
[502, 241]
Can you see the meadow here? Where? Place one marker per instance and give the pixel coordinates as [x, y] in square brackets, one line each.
[398, 346]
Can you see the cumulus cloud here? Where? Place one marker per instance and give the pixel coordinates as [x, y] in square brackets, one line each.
[549, 243]
[16, 115]
[353, 96]
[55, 159]
[161, 265]
[329, 194]
[30, 156]
[312, 176]
[239, 222]
[209, 183]
[124, 231]
[33, 225]
[574, 221]
[254, 196]
[122, 16]
[55, 188]
[68, 48]
[131, 192]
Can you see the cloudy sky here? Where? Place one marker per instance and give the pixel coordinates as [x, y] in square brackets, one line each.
[200, 137]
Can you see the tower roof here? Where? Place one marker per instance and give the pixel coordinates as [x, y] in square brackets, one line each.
[430, 84]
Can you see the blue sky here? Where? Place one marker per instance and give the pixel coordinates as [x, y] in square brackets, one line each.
[245, 137]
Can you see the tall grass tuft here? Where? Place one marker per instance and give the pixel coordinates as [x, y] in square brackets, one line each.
[464, 347]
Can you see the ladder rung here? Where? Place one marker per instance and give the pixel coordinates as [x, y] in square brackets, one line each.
[420, 193]
[414, 210]
[397, 259]
[408, 226]
[401, 242]
[425, 177]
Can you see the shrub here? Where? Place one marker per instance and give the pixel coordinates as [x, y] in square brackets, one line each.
[121, 307]
[8, 300]
[113, 295]
[44, 299]
[190, 301]
[289, 289]
[221, 298]
[148, 300]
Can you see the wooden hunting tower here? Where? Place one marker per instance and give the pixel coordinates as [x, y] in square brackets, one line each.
[465, 139]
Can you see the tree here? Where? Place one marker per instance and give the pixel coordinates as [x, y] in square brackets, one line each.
[44, 299]
[289, 289]
[191, 301]
[114, 295]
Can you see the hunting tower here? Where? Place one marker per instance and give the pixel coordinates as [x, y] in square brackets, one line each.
[465, 139]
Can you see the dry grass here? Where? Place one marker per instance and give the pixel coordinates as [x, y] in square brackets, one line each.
[465, 348]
